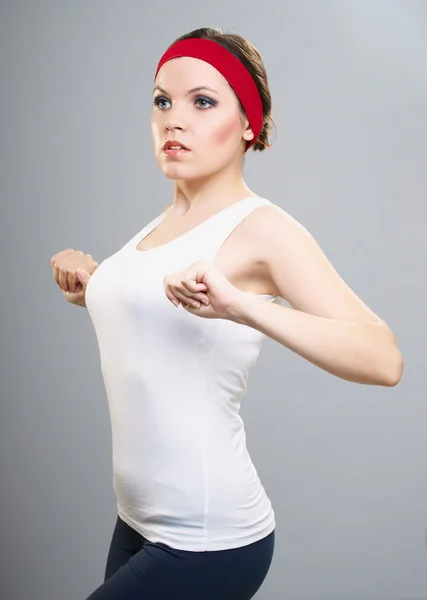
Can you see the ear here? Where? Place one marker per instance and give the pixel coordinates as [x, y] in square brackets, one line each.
[248, 134]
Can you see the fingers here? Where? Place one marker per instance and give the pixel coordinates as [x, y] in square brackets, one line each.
[190, 302]
[60, 275]
[55, 262]
[60, 255]
[82, 277]
[72, 298]
[186, 296]
[63, 278]
[64, 266]
[72, 281]
[178, 291]
[193, 286]
[185, 300]
[171, 296]
[194, 290]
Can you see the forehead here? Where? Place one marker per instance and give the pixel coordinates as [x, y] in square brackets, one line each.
[185, 72]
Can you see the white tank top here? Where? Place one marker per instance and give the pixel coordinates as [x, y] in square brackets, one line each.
[182, 474]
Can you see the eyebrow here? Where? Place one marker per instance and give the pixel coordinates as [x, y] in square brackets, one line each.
[196, 89]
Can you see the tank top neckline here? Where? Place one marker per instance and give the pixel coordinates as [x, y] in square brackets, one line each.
[143, 234]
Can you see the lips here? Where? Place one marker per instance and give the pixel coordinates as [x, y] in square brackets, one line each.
[174, 144]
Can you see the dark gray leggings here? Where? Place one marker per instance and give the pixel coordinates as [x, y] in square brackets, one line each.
[141, 570]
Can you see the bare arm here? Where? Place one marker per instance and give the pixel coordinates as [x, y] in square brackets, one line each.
[327, 324]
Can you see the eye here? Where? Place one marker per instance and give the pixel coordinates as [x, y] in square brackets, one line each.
[204, 99]
[159, 99]
[208, 102]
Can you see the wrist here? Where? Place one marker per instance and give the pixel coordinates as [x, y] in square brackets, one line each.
[79, 301]
[241, 307]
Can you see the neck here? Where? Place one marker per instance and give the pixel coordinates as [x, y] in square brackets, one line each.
[208, 194]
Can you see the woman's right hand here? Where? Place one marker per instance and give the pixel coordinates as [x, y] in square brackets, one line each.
[65, 265]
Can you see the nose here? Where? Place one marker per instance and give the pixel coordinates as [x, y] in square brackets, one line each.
[171, 126]
[176, 118]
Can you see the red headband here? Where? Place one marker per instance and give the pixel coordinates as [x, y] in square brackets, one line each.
[231, 68]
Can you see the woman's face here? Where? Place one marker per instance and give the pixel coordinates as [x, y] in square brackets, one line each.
[209, 122]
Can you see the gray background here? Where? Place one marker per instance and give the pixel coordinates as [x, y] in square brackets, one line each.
[344, 464]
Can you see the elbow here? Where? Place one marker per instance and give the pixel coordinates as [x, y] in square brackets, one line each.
[390, 365]
[393, 369]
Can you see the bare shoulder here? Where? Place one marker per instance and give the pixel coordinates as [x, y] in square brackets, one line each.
[300, 268]
[269, 224]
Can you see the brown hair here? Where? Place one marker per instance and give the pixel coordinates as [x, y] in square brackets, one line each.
[251, 58]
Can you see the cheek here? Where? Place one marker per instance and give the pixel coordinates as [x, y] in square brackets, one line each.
[154, 129]
[226, 131]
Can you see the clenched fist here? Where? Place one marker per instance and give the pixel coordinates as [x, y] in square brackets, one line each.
[71, 271]
[204, 291]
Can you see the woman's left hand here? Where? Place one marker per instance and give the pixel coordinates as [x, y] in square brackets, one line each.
[203, 290]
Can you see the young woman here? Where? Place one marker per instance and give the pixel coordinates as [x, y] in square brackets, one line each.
[180, 313]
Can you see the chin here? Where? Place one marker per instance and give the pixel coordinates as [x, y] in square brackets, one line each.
[180, 170]
[173, 176]
[176, 171]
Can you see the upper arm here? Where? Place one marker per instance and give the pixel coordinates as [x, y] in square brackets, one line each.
[301, 271]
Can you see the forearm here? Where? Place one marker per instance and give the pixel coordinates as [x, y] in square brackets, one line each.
[362, 352]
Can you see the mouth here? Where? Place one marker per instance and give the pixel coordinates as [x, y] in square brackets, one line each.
[175, 148]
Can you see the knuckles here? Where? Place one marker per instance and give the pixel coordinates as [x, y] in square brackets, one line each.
[176, 278]
[66, 263]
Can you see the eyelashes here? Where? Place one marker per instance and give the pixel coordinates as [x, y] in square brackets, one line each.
[158, 99]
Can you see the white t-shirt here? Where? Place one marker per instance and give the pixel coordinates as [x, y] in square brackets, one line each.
[182, 473]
